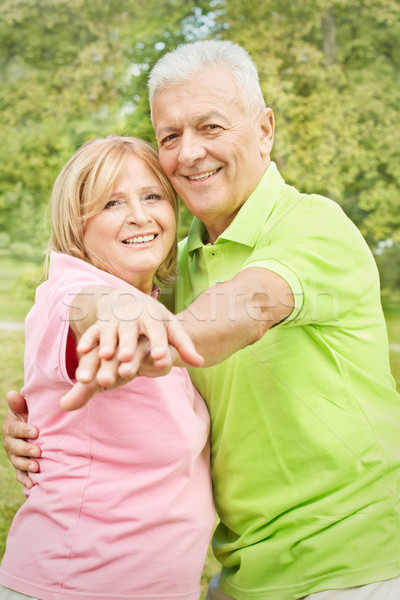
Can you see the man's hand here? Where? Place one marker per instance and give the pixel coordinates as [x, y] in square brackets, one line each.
[16, 431]
[129, 338]
[122, 320]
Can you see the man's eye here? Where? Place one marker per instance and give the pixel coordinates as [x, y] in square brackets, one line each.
[213, 126]
[168, 138]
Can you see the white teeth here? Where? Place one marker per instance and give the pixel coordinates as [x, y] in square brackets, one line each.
[140, 239]
[202, 176]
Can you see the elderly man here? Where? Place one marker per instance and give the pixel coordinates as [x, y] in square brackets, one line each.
[280, 294]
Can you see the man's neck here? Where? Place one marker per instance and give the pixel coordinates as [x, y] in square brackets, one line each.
[218, 226]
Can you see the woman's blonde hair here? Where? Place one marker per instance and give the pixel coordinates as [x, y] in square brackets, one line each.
[84, 185]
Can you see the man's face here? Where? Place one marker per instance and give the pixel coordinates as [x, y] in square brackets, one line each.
[213, 152]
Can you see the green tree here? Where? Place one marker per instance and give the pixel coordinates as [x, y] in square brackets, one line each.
[73, 69]
[330, 70]
[60, 71]
[387, 256]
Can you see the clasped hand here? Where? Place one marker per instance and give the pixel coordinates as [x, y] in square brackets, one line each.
[128, 339]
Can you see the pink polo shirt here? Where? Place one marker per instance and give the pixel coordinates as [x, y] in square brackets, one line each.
[122, 506]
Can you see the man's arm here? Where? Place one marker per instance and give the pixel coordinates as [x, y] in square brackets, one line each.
[124, 332]
[222, 320]
[118, 318]
[234, 314]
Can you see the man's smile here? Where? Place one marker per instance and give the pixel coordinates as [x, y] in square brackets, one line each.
[202, 176]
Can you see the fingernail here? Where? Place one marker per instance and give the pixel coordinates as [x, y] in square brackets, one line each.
[32, 451]
[83, 374]
[31, 432]
[31, 467]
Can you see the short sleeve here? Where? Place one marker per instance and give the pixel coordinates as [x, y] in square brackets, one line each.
[48, 337]
[321, 255]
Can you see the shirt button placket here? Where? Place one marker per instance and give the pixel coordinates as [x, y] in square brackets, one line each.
[213, 268]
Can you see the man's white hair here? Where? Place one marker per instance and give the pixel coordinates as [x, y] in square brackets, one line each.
[187, 60]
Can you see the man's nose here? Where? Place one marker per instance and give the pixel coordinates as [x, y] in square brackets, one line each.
[191, 148]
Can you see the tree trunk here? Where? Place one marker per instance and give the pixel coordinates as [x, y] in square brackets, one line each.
[329, 45]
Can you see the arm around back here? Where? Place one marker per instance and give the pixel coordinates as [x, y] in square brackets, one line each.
[16, 431]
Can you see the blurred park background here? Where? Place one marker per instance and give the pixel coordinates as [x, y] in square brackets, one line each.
[74, 69]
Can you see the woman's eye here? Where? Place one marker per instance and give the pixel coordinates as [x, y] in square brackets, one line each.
[111, 203]
[151, 197]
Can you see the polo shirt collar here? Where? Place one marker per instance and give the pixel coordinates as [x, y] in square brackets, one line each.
[197, 233]
[252, 216]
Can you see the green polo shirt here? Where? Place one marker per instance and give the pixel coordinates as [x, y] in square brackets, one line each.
[306, 422]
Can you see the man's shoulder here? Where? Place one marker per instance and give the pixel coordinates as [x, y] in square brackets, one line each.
[305, 209]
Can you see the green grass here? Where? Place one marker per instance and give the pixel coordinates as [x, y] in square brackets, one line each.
[11, 377]
[14, 300]
[13, 307]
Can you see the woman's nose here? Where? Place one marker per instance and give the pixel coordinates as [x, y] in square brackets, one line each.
[137, 213]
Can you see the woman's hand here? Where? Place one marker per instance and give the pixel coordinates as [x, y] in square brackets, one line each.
[123, 320]
[131, 336]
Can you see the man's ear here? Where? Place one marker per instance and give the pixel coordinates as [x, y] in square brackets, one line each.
[267, 128]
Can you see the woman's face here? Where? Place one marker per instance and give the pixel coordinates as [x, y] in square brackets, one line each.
[133, 234]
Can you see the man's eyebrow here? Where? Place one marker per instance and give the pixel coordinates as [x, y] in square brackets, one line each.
[211, 115]
[165, 130]
[197, 119]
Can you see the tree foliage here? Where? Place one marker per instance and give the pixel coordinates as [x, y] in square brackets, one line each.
[72, 69]
[58, 65]
[330, 70]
